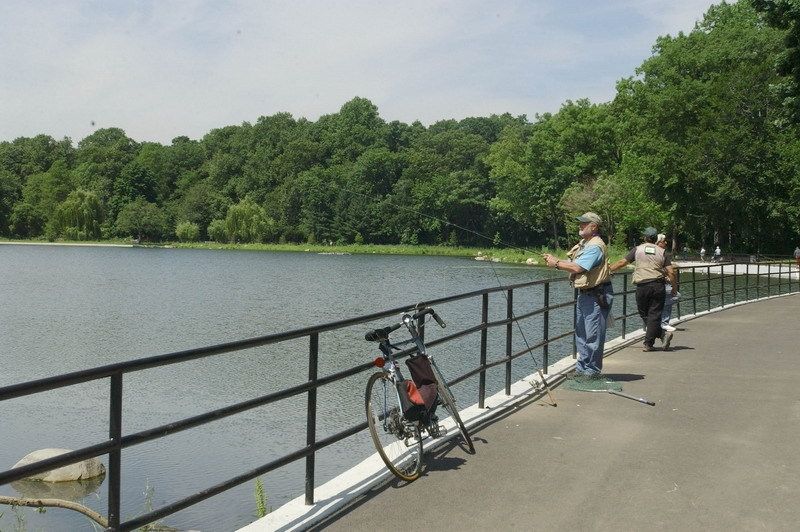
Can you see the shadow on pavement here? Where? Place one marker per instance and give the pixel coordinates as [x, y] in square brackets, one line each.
[623, 377]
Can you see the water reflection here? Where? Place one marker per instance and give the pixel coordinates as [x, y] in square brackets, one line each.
[74, 490]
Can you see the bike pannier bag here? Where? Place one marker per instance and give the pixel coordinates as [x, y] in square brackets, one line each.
[424, 378]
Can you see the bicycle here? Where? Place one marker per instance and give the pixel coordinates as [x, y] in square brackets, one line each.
[397, 423]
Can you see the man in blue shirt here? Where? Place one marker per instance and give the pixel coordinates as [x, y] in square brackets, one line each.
[590, 274]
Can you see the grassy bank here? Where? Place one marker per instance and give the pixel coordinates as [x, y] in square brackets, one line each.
[509, 255]
[531, 256]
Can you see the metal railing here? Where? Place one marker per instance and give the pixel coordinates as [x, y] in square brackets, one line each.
[118, 441]
[770, 278]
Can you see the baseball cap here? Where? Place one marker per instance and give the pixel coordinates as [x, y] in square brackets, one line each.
[590, 217]
[650, 231]
[661, 237]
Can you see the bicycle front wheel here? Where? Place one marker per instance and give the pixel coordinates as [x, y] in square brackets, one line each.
[449, 403]
[398, 441]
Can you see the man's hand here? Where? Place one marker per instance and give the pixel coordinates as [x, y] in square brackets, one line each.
[550, 259]
[621, 263]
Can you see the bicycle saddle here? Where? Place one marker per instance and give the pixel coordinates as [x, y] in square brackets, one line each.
[379, 335]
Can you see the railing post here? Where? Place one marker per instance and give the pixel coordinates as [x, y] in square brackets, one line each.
[115, 456]
[758, 280]
[747, 282]
[484, 334]
[780, 277]
[734, 282]
[546, 328]
[311, 414]
[574, 322]
[708, 288]
[694, 290]
[722, 286]
[769, 279]
[678, 304]
[624, 304]
[509, 333]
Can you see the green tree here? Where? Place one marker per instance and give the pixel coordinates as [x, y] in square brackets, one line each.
[533, 166]
[100, 159]
[217, 232]
[248, 222]
[187, 232]
[699, 125]
[785, 15]
[10, 192]
[77, 218]
[142, 220]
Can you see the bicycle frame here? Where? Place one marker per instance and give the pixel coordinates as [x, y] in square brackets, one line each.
[422, 424]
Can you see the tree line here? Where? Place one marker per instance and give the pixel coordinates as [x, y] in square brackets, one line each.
[700, 142]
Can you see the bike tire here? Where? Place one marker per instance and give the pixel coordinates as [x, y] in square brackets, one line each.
[397, 440]
[449, 403]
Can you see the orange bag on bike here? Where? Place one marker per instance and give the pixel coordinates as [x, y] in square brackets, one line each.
[424, 380]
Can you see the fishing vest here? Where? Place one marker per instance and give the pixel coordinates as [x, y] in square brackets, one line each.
[597, 275]
[649, 260]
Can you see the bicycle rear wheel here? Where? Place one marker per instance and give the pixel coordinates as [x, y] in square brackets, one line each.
[398, 441]
[449, 403]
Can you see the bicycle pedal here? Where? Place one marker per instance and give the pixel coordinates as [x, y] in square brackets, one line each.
[437, 431]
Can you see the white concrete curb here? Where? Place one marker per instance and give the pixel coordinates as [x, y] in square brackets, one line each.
[339, 492]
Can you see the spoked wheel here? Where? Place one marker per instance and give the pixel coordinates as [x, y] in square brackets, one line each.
[397, 440]
[449, 403]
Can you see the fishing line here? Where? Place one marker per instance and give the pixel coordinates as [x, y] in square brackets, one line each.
[491, 265]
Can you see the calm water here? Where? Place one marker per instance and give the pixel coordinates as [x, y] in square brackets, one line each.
[69, 308]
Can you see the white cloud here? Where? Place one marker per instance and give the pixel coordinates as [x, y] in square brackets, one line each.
[164, 69]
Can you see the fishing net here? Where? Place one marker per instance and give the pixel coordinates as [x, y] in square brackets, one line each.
[584, 384]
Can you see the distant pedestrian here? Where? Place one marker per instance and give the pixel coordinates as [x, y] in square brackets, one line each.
[717, 254]
[669, 291]
[589, 274]
[685, 252]
[652, 267]
[797, 255]
[702, 254]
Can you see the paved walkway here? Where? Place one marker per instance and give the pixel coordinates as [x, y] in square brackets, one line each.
[717, 452]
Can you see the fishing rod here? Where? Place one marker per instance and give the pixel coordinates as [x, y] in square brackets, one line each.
[642, 400]
[494, 271]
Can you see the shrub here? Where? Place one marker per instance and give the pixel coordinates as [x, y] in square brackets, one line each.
[216, 231]
[187, 232]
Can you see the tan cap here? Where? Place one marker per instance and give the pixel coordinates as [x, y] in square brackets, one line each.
[661, 238]
[590, 217]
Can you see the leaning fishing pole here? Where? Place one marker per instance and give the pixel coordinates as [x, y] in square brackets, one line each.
[497, 277]
[643, 400]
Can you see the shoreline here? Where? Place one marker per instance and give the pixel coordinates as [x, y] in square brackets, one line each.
[502, 255]
[74, 244]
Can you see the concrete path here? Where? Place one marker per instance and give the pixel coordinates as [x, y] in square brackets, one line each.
[717, 452]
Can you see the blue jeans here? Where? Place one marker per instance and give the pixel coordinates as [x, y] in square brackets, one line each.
[590, 330]
[666, 314]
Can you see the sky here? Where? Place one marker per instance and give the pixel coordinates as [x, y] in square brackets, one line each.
[162, 69]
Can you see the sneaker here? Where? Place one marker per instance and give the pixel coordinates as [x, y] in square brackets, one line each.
[667, 339]
[669, 328]
[648, 348]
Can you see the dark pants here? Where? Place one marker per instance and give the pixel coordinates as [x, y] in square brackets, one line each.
[650, 302]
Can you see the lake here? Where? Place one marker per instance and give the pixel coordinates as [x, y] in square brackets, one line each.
[71, 308]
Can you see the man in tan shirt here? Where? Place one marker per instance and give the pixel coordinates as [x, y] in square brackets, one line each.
[652, 268]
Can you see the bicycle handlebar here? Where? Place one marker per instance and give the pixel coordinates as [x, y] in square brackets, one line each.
[379, 335]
